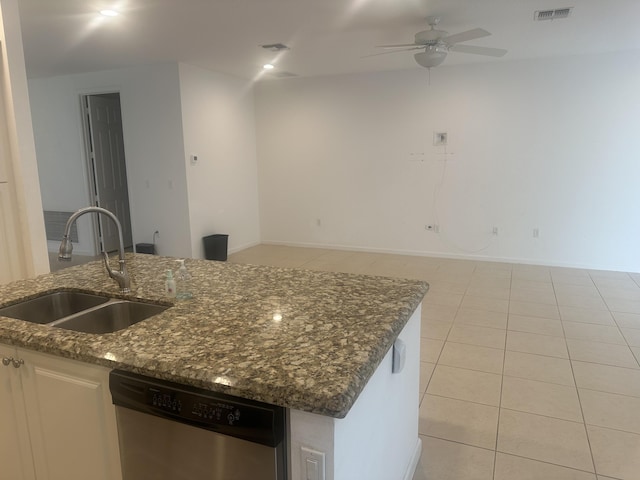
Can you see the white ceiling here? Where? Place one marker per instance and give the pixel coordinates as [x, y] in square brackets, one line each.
[326, 36]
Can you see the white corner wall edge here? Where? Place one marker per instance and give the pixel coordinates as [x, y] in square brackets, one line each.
[357, 446]
[22, 144]
[218, 124]
[452, 256]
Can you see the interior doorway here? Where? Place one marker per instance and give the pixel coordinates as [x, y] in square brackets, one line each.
[107, 168]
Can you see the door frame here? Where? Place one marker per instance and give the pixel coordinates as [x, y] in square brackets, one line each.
[88, 164]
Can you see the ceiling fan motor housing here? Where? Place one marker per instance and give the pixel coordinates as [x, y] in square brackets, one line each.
[429, 37]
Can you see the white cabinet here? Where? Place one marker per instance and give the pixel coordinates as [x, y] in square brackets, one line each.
[15, 449]
[64, 410]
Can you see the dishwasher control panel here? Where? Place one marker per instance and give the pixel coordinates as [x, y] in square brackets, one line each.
[226, 414]
[201, 408]
[166, 401]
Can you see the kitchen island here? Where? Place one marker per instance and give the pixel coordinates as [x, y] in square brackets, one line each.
[313, 342]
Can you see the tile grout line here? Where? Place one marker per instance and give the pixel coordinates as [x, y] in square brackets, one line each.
[614, 429]
[584, 422]
[551, 463]
[633, 355]
[514, 455]
[466, 401]
[437, 362]
[504, 360]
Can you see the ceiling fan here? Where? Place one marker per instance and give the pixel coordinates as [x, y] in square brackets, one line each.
[436, 44]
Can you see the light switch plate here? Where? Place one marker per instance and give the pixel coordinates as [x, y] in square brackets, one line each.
[312, 464]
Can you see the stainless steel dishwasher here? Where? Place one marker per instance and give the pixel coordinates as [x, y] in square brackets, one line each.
[169, 431]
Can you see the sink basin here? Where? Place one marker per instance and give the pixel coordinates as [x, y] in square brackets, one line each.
[52, 306]
[115, 315]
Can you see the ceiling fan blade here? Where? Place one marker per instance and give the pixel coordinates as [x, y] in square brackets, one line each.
[491, 52]
[400, 45]
[466, 36]
[393, 51]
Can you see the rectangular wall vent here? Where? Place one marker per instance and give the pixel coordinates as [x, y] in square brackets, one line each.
[552, 14]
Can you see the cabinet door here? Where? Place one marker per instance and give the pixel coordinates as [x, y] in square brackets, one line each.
[71, 419]
[15, 449]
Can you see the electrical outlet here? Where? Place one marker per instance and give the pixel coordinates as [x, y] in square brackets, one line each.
[536, 233]
[495, 231]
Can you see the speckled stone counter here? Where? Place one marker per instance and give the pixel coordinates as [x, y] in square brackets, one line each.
[300, 339]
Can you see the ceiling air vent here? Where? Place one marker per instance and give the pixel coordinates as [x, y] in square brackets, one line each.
[552, 14]
[283, 74]
[275, 47]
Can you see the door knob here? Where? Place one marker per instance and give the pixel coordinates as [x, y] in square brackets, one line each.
[6, 361]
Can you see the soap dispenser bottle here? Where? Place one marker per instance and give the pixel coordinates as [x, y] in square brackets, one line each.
[170, 285]
[183, 282]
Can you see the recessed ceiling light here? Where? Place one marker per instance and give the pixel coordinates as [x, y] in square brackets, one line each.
[108, 13]
[268, 66]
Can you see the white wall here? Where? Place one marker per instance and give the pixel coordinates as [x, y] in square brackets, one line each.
[153, 142]
[219, 127]
[549, 144]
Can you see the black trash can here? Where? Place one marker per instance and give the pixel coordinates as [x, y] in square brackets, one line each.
[215, 247]
[149, 248]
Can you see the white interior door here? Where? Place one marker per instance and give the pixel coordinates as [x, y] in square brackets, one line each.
[109, 168]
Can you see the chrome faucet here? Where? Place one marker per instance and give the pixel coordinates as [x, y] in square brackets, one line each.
[66, 247]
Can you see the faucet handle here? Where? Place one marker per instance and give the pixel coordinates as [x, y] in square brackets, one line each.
[122, 277]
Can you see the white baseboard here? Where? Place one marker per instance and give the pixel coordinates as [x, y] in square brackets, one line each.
[415, 458]
[454, 256]
[243, 247]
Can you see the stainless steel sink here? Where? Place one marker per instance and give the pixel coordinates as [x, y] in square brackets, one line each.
[82, 312]
[52, 306]
[115, 315]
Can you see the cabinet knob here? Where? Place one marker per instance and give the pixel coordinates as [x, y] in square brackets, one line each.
[12, 361]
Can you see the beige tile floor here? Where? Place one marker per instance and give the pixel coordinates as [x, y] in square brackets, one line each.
[527, 372]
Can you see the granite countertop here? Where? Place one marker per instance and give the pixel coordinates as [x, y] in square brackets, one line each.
[333, 333]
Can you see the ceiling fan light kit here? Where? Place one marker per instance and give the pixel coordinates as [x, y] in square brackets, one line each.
[431, 57]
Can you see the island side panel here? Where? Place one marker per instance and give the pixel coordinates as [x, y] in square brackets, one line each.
[378, 439]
